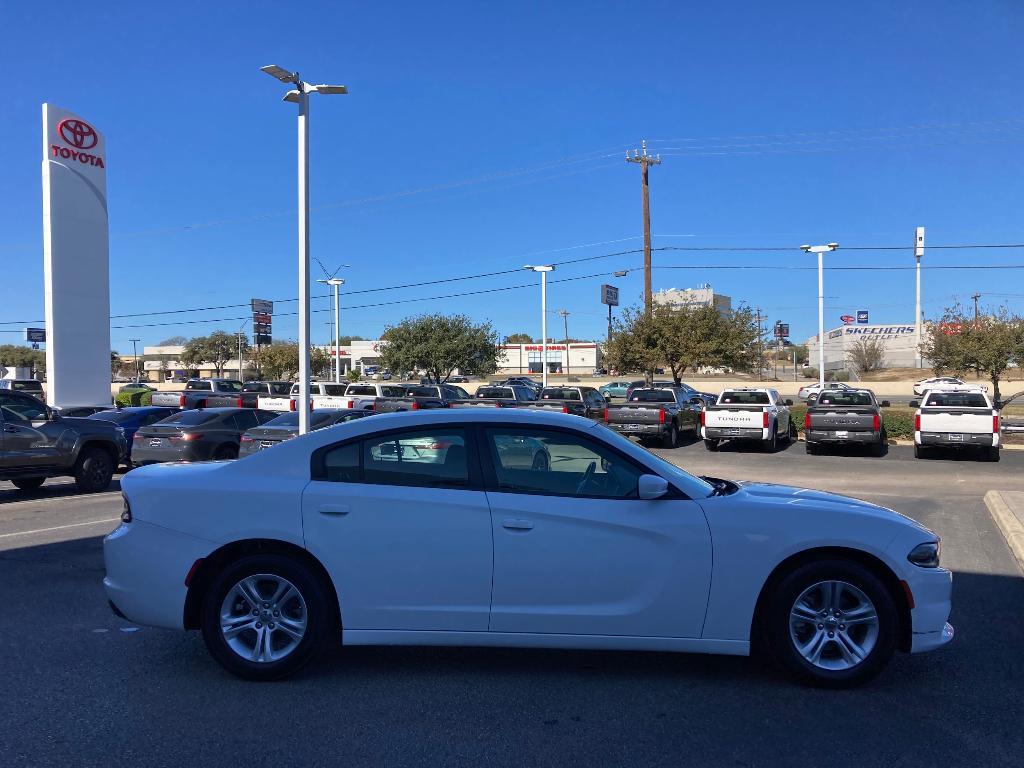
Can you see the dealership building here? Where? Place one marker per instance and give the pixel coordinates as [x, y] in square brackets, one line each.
[899, 343]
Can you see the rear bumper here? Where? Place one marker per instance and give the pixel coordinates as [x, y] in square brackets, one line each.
[831, 436]
[734, 433]
[640, 430]
[970, 439]
[144, 454]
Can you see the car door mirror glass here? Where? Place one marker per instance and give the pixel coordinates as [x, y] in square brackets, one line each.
[651, 487]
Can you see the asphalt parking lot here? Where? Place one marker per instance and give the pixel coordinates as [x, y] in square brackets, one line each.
[82, 687]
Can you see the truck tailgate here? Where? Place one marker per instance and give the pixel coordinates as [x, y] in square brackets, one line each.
[850, 419]
[731, 416]
[167, 399]
[635, 413]
[957, 420]
[278, 404]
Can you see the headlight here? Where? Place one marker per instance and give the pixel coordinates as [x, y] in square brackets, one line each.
[925, 555]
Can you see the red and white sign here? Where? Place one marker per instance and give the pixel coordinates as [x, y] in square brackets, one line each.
[847, 319]
[73, 138]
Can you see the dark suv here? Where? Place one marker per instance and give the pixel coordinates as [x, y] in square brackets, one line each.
[36, 443]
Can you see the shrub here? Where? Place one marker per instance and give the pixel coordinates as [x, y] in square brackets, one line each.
[899, 422]
[133, 397]
[810, 373]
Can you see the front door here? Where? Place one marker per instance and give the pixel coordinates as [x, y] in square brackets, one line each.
[29, 438]
[401, 523]
[577, 552]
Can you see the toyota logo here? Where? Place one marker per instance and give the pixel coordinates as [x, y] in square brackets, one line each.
[77, 133]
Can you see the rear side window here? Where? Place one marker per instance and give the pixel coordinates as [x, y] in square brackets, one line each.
[744, 398]
[957, 400]
[432, 458]
[26, 386]
[341, 464]
[356, 389]
[245, 420]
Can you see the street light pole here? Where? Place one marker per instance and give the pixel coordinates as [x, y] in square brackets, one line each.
[336, 283]
[300, 95]
[820, 250]
[543, 269]
[135, 354]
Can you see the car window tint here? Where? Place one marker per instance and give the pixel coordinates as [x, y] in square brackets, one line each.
[845, 398]
[281, 388]
[957, 400]
[555, 463]
[745, 398]
[189, 418]
[499, 392]
[334, 389]
[559, 393]
[341, 464]
[320, 419]
[428, 458]
[393, 391]
[356, 389]
[652, 396]
[15, 409]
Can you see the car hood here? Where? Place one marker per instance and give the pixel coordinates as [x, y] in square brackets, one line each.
[90, 426]
[822, 501]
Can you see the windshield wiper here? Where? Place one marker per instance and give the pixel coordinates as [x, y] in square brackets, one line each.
[721, 486]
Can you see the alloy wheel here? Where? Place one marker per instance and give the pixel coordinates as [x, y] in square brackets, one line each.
[834, 625]
[263, 618]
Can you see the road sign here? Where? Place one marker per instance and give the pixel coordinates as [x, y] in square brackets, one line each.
[610, 295]
[262, 306]
[862, 316]
[262, 340]
[261, 317]
[847, 319]
[782, 330]
[35, 335]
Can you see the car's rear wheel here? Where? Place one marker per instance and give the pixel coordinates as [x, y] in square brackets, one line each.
[711, 445]
[671, 439]
[265, 617]
[832, 623]
[992, 454]
[772, 444]
[811, 449]
[920, 452]
[879, 449]
[28, 483]
[93, 470]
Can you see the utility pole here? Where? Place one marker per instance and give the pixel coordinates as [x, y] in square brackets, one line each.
[760, 352]
[976, 296]
[564, 314]
[135, 354]
[645, 161]
[918, 253]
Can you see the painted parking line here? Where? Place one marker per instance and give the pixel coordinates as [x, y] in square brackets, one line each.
[59, 499]
[60, 527]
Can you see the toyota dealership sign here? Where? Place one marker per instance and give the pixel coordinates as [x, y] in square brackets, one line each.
[74, 139]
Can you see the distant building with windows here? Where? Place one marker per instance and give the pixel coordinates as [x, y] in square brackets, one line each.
[701, 296]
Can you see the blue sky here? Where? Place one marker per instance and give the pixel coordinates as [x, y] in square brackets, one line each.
[479, 137]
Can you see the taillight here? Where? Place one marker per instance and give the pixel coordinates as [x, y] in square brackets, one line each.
[703, 418]
[415, 405]
[137, 436]
[565, 409]
[374, 406]
[188, 438]
[247, 439]
[661, 415]
[807, 421]
[239, 401]
[291, 404]
[181, 401]
[876, 424]
[606, 414]
[995, 423]
[764, 419]
[917, 422]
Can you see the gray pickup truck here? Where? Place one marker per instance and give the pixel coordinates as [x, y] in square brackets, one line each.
[661, 412]
[511, 396]
[421, 397]
[36, 443]
[844, 417]
[579, 401]
[198, 392]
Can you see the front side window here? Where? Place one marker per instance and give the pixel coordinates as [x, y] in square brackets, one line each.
[555, 463]
[21, 409]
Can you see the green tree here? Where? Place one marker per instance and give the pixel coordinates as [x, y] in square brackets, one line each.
[868, 354]
[174, 341]
[217, 349]
[683, 338]
[440, 344]
[519, 338]
[988, 344]
[279, 360]
[18, 356]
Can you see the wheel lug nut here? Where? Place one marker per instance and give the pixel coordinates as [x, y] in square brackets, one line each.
[821, 626]
[266, 605]
[277, 613]
[255, 611]
[271, 625]
[259, 625]
[842, 627]
[831, 634]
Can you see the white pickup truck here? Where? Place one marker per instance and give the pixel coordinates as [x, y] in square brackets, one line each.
[327, 394]
[755, 415]
[956, 419]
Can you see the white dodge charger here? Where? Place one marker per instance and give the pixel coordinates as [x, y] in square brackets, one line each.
[497, 527]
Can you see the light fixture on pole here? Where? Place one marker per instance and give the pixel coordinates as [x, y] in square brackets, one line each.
[135, 354]
[543, 269]
[300, 95]
[336, 283]
[820, 249]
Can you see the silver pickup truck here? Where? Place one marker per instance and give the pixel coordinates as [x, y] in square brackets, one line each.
[842, 417]
[747, 414]
[197, 392]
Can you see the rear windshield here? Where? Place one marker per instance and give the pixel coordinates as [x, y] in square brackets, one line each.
[335, 389]
[26, 386]
[652, 396]
[420, 392]
[560, 393]
[189, 418]
[254, 386]
[844, 398]
[289, 420]
[745, 398]
[957, 400]
[355, 389]
[505, 392]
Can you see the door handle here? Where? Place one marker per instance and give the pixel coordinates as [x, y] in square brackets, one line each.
[335, 510]
[10, 429]
[516, 524]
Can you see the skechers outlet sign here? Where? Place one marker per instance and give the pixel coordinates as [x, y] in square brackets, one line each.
[76, 138]
[880, 331]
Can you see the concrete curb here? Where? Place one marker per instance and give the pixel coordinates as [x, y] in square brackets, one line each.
[1009, 524]
[904, 441]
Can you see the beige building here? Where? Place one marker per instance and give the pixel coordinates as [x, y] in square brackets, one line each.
[702, 296]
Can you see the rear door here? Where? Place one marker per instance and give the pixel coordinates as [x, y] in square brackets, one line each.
[577, 552]
[401, 522]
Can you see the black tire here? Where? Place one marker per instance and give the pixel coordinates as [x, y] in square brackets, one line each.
[782, 641]
[992, 454]
[792, 431]
[28, 484]
[920, 452]
[711, 444]
[811, 449]
[879, 449]
[93, 470]
[225, 452]
[772, 445]
[321, 616]
[671, 438]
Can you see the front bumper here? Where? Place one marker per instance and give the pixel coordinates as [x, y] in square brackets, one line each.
[146, 566]
[932, 589]
[833, 436]
[968, 439]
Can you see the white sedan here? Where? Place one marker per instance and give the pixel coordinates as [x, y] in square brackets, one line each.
[946, 384]
[515, 528]
[811, 391]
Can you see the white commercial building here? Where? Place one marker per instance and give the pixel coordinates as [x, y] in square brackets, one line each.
[579, 358]
[703, 296]
[898, 341]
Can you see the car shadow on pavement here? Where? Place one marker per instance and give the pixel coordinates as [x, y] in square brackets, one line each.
[56, 488]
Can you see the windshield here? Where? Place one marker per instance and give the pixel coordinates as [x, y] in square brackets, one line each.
[692, 486]
[287, 420]
[744, 398]
[652, 396]
[845, 398]
[189, 418]
[957, 400]
[560, 393]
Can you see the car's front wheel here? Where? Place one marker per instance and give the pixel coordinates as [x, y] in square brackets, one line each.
[266, 616]
[93, 470]
[832, 623]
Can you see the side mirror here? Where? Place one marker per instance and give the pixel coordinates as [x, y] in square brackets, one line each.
[52, 415]
[915, 403]
[886, 404]
[652, 487]
[789, 402]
